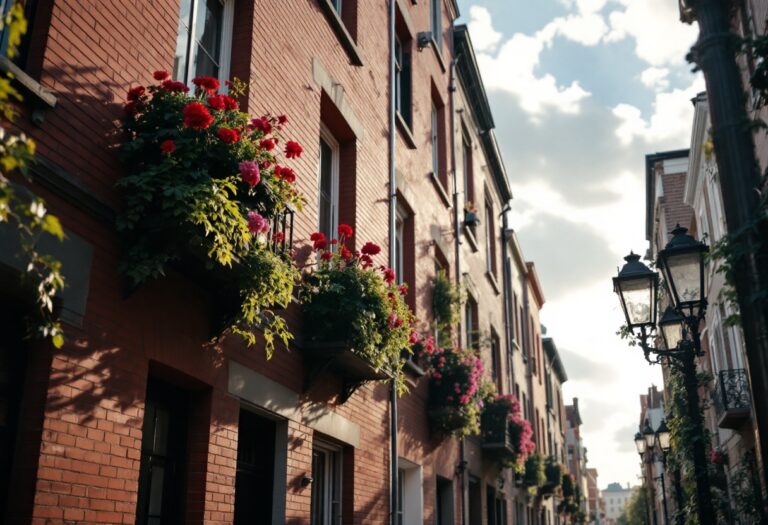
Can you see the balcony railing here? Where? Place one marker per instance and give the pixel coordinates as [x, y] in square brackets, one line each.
[731, 398]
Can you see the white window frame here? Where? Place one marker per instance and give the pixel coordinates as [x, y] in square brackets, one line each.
[337, 5]
[435, 22]
[411, 490]
[328, 138]
[225, 55]
[332, 469]
[489, 237]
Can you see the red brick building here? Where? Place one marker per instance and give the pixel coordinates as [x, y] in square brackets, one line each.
[138, 420]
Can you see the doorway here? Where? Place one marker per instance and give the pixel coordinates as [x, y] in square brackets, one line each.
[255, 481]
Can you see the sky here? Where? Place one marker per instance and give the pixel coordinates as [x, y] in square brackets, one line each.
[581, 91]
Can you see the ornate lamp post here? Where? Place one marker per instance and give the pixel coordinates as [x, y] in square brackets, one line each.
[682, 263]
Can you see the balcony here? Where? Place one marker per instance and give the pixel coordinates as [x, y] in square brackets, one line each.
[497, 438]
[732, 399]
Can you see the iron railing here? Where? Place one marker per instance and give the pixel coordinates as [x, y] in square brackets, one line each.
[732, 391]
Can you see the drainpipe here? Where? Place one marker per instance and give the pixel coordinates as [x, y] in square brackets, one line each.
[462, 468]
[393, 484]
[507, 282]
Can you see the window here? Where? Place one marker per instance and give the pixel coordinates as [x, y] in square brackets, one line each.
[400, 218]
[255, 477]
[203, 40]
[5, 7]
[435, 141]
[496, 509]
[336, 5]
[496, 360]
[403, 80]
[326, 484]
[444, 503]
[409, 494]
[436, 23]
[470, 322]
[328, 206]
[490, 238]
[163, 444]
[466, 165]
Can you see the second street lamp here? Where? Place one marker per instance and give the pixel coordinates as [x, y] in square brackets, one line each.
[682, 263]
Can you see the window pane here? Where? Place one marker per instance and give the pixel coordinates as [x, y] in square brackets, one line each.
[326, 189]
[336, 5]
[156, 491]
[160, 445]
[435, 151]
[318, 487]
[208, 35]
[182, 41]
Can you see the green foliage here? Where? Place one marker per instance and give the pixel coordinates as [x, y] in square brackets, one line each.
[553, 471]
[534, 476]
[746, 492]
[187, 200]
[446, 304]
[636, 510]
[19, 209]
[346, 299]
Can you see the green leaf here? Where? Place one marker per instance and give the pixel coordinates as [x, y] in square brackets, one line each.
[52, 225]
[58, 340]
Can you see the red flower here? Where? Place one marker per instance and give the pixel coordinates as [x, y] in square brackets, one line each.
[319, 241]
[366, 260]
[161, 74]
[262, 124]
[287, 174]
[135, 93]
[389, 275]
[403, 289]
[345, 253]
[326, 256]
[250, 173]
[370, 248]
[207, 84]
[174, 86]
[228, 136]
[345, 230]
[216, 102]
[196, 116]
[282, 119]
[229, 102]
[168, 146]
[278, 237]
[293, 149]
[267, 144]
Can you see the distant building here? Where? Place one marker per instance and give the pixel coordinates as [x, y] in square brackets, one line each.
[596, 510]
[615, 497]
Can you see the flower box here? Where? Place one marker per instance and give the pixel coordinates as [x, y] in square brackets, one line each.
[342, 359]
[496, 436]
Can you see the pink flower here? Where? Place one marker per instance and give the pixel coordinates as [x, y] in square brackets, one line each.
[256, 223]
[250, 173]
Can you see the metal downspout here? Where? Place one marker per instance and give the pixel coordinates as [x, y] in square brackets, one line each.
[393, 503]
[457, 255]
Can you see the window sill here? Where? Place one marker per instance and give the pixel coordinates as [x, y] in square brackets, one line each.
[346, 40]
[441, 191]
[438, 54]
[470, 238]
[405, 131]
[41, 96]
[494, 282]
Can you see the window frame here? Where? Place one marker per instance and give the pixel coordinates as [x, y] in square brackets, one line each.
[327, 137]
[401, 216]
[331, 483]
[404, 75]
[225, 45]
[435, 139]
[490, 238]
[435, 23]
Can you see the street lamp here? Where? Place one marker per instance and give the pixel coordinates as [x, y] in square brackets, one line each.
[663, 438]
[682, 263]
[640, 443]
[647, 441]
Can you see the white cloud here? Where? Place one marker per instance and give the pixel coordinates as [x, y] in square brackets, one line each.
[660, 37]
[655, 78]
[484, 37]
[587, 29]
[514, 69]
[671, 118]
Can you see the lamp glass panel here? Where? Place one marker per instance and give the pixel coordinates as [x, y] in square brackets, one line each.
[684, 271]
[650, 440]
[640, 444]
[664, 440]
[638, 298]
[673, 333]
